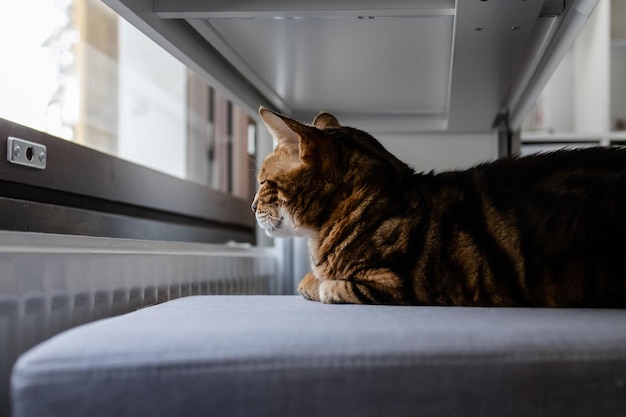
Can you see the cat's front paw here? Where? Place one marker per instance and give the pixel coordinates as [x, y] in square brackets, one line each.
[309, 287]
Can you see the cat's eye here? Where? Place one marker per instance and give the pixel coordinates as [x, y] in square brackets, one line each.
[261, 182]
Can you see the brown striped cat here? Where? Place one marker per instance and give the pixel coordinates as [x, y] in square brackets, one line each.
[545, 230]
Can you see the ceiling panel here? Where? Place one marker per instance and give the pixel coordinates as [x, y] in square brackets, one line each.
[344, 64]
[410, 64]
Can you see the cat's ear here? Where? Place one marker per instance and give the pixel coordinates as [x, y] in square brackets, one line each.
[309, 142]
[291, 133]
[281, 127]
[324, 120]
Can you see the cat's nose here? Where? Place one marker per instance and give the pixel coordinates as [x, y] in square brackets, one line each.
[254, 205]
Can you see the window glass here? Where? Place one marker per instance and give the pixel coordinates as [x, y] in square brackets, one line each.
[80, 72]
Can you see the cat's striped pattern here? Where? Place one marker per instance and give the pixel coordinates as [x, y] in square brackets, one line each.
[547, 230]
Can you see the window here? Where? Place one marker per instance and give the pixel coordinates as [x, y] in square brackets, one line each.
[80, 73]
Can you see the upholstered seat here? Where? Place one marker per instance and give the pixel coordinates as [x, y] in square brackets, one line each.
[284, 356]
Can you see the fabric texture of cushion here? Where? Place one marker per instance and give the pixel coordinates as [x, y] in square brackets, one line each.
[284, 356]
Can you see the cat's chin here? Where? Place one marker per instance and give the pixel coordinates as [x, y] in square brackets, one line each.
[286, 231]
[284, 228]
[294, 232]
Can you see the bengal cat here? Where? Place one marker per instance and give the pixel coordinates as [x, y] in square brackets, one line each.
[545, 230]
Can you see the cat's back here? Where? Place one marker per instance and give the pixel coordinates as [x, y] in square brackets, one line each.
[558, 173]
[561, 164]
[552, 197]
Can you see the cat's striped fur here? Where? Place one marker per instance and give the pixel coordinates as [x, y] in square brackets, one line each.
[546, 230]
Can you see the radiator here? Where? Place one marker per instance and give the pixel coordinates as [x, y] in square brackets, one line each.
[51, 283]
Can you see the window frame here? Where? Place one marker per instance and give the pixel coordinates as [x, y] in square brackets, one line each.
[86, 192]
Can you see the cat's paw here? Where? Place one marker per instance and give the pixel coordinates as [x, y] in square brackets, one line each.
[309, 287]
[337, 292]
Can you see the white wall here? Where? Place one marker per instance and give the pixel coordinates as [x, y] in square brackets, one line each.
[555, 103]
[592, 71]
[441, 151]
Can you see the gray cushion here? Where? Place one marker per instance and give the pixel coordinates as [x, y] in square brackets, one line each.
[284, 356]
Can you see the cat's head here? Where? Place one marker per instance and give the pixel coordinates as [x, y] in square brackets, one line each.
[313, 169]
[292, 172]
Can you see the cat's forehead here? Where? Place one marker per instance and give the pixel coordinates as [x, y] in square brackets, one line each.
[276, 162]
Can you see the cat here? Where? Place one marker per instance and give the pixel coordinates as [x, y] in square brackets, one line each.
[547, 230]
